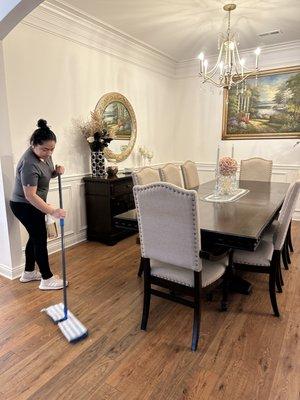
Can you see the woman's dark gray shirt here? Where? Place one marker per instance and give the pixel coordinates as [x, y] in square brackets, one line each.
[32, 171]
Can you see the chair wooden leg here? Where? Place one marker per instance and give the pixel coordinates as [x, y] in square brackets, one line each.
[145, 262]
[284, 259]
[141, 269]
[275, 263]
[287, 251]
[197, 310]
[278, 280]
[289, 236]
[280, 276]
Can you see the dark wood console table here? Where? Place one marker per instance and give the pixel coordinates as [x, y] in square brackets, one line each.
[104, 199]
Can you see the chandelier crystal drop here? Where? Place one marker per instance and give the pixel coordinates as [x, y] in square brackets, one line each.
[230, 69]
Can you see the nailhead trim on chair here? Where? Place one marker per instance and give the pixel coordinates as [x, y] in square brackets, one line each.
[175, 189]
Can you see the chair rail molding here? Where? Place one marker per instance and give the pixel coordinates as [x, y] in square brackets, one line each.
[74, 202]
[280, 173]
[64, 21]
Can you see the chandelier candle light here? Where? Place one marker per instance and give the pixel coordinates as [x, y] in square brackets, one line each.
[230, 69]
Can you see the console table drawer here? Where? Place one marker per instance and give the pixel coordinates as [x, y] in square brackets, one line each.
[121, 188]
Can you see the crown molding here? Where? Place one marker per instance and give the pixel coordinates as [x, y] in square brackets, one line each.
[62, 20]
[289, 55]
[58, 19]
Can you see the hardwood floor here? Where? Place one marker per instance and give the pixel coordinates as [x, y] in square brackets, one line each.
[245, 353]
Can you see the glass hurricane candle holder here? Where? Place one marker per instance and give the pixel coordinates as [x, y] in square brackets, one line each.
[227, 184]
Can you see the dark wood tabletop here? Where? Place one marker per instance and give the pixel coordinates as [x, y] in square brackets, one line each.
[238, 224]
[247, 216]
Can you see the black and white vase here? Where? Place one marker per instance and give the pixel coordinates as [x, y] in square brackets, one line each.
[98, 164]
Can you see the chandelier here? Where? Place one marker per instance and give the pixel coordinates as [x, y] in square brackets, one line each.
[230, 69]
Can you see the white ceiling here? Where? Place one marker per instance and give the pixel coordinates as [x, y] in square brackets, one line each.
[183, 28]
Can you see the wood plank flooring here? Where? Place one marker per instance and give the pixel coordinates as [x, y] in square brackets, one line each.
[245, 353]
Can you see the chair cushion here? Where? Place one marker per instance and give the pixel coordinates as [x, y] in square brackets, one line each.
[269, 233]
[261, 256]
[211, 271]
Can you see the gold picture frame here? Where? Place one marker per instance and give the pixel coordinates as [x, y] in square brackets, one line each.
[266, 107]
[119, 118]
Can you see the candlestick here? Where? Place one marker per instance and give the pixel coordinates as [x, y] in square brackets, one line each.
[232, 151]
[218, 158]
[257, 53]
[216, 191]
[205, 67]
[201, 58]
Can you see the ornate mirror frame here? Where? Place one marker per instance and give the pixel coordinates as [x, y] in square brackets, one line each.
[101, 106]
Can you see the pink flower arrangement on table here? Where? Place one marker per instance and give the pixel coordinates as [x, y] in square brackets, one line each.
[227, 166]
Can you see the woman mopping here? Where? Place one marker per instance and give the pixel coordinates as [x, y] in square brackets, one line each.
[28, 203]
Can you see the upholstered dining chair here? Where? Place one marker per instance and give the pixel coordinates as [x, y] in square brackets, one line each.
[256, 169]
[190, 175]
[270, 235]
[168, 219]
[145, 175]
[266, 258]
[171, 173]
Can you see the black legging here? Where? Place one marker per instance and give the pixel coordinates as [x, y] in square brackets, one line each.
[36, 247]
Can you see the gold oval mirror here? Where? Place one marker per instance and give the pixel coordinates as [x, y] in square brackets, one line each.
[119, 117]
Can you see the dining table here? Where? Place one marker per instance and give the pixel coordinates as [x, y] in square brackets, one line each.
[238, 224]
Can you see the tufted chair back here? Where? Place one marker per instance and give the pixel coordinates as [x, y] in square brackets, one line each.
[168, 219]
[145, 175]
[286, 214]
[190, 175]
[256, 169]
[171, 173]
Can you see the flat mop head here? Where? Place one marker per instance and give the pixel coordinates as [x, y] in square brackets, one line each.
[71, 327]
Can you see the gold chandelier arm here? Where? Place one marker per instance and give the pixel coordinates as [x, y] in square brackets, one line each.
[218, 84]
[214, 69]
[239, 60]
[237, 82]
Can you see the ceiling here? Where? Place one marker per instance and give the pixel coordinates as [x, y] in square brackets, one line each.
[183, 28]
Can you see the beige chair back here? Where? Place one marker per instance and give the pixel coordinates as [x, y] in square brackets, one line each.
[171, 173]
[145, 175]
[286, 214]
[168, 219]
[256, 169]
[190, 175]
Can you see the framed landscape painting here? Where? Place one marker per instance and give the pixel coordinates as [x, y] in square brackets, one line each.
[264, 107]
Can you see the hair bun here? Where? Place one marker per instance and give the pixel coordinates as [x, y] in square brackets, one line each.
[42, 123]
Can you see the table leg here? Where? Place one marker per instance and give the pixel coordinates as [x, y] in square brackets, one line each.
[240, 285]
[237, 284]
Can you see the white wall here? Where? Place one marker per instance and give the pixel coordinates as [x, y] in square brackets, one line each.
[10, 240]
[60, 80]
[61, 77]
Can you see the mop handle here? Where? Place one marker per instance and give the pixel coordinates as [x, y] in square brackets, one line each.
[63, 256]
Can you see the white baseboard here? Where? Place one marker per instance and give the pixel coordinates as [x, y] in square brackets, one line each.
[9, 273]
[70, 240]
[53, 247]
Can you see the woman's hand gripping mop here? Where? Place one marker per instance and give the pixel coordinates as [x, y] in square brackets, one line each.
[70, 326]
